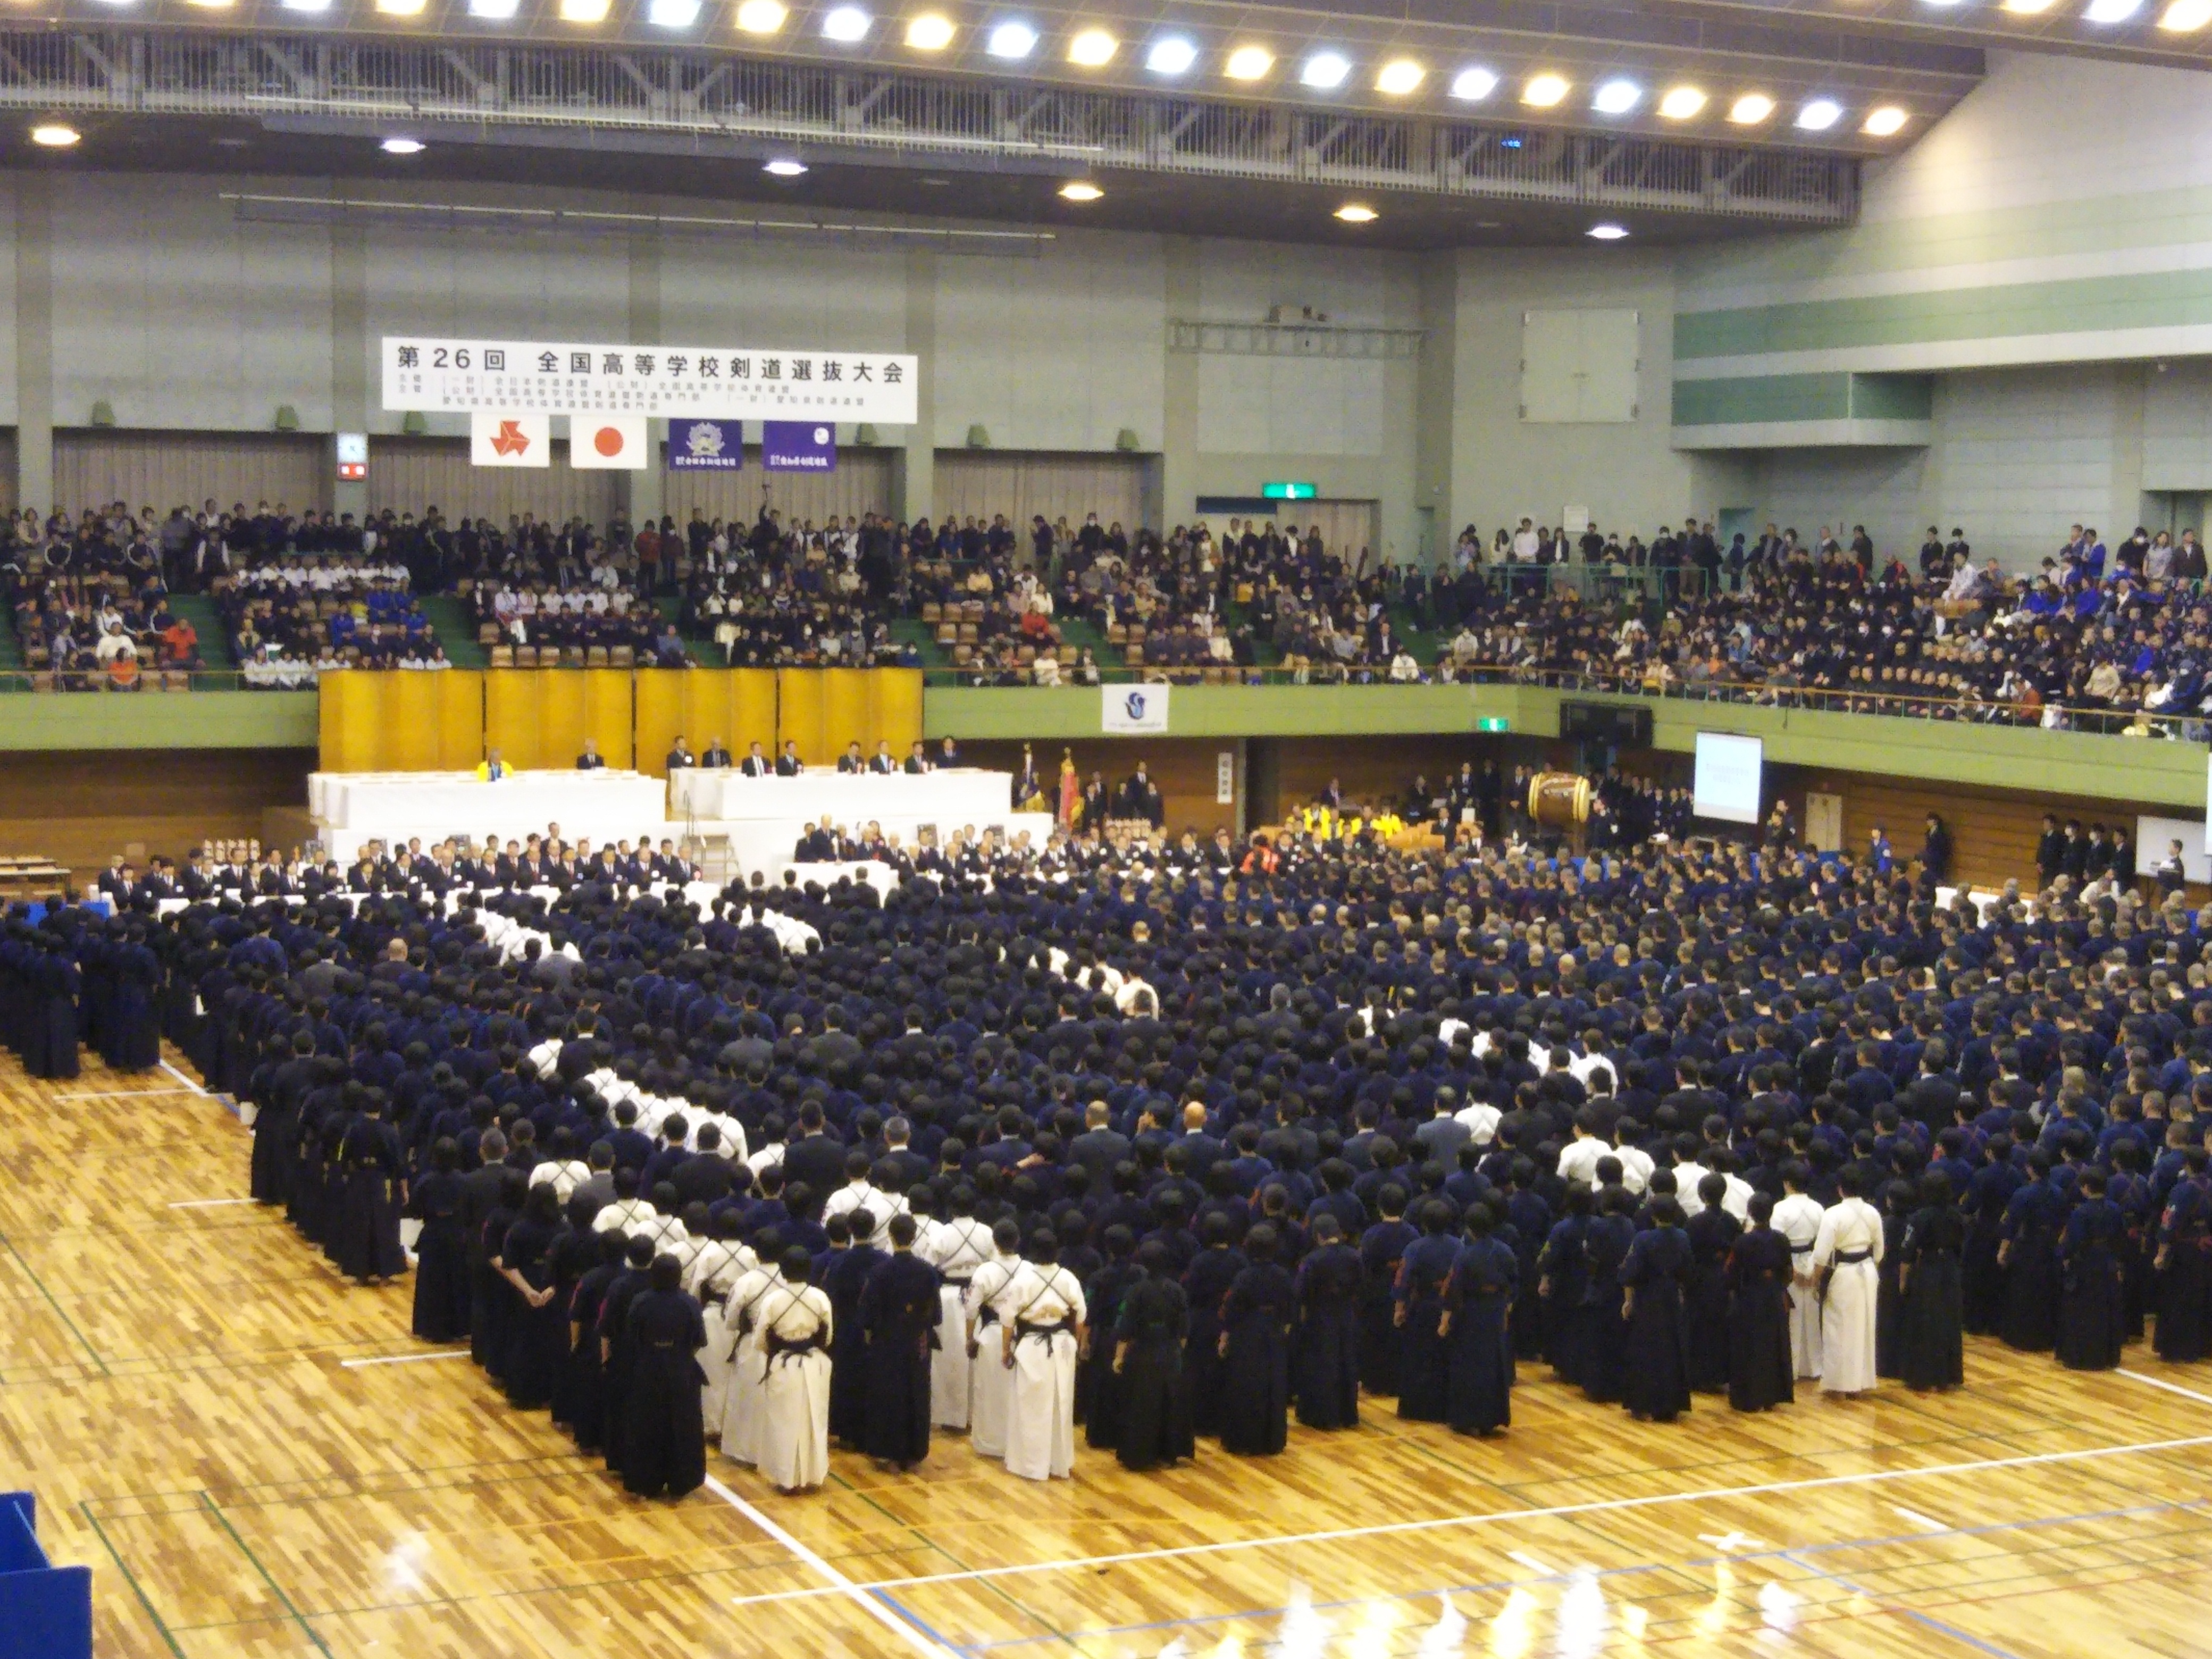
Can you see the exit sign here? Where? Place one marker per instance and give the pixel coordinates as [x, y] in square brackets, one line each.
[1289, 492]
[1493, 723]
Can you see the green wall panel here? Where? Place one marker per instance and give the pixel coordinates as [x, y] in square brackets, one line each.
[160, 719]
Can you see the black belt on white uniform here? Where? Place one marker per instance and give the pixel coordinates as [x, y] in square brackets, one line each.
[1801, 1249]
[958, 1283]
[1023, 1329]
[1852, 1258]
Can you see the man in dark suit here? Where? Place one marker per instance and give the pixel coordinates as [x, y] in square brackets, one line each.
[812, 1155]
[900, 1167]
[917, 760]
[755, 764]
[883, 765]
[788, 764]
[850, 760]
[1203, 1150]
[1099, 1148]
[679, 756]
[591, 760]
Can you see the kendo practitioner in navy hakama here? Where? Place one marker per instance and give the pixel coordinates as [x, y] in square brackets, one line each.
[536, 1341]
[1761, 1374]
[1932, 1320]
[1098, 1384]
[277, 1123]
[585, 1386]
[1328, 1345]
[1205, 1283]
[1381, 1248]
[491, 1313]
[1257, 1317]
[1655, 1387]
[899, 1312]
[1476, 1330]
[373, 1167]
[1564, 1266]
[614, 1353]
[441, 1255]
[1147, 1342]
[1897, 1205]
[578, 1252]
[2029, 1256]
[52, 1050]
[844, 1278]
[663, 1437]
[2092, 1303]
[134, 1020]
[1988, 1194]
[1605, 1248]
[1713, 1233]
[2183, 1265]
[1424, 1367]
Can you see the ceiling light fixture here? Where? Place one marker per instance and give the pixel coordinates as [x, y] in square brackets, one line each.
[785, 166]
[2111, 11]
[931, 32]
[400, 8]
[1751, 109]
[1617, 96]
[1881, 123]
[1171, 55]
[402, 146]
[585, 11]
[1092, 49]
[493, 11]
[1820, 115]
[1356, 212]
[307, 5]
[1248, 64]
[1080, 190]
[847, 25]
[2184, 16]
[54, 135]
[1680, 103]
[1010, 40]
[1400, 77]
[1325, 71]
[761, 16]
[1544, 90]
[1472, 86]
[1607, 232]
[672, 13]
[2027, 8]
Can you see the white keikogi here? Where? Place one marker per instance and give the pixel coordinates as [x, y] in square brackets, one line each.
[986, 1293]
[714, 1267]
[741, 1347]
[956, 1249]
[1048, 1307]
[1798, 1219]
[792, 1442]
[1849, 1247]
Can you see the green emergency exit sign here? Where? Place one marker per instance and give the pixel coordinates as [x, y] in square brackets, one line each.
[1493, 723]
[1289, 492]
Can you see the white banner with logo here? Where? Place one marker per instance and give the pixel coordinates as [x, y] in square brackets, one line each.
[1128, 708]
[510, 440]
[766, 383]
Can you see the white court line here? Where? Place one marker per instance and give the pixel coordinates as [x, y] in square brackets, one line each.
[189, 1084]
[1914, 1518]
[2171, 1388]
[838, 1585]
[129, 1094]
[208, 1203]
[405, 1358]
[1438, 1523]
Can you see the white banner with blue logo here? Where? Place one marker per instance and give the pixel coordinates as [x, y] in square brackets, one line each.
[703, 446]
[1134, 708]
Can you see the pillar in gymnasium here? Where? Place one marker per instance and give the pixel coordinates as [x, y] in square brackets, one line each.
[914, 469]
[35, 341]
[645, 494]
[1178, 500]
[349, 358]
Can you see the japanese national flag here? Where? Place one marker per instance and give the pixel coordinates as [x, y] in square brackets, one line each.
[497, 439]
[607, 440]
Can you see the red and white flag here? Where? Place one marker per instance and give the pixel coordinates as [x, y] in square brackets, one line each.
[607, 440]
[497, 439]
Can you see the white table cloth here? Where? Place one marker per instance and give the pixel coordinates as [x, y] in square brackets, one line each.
[948, 798]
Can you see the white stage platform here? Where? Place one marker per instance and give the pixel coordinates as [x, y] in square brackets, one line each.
[948, 798]
[350, 808]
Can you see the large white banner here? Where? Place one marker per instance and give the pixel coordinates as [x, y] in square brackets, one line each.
[1132, 708]
[564, 377]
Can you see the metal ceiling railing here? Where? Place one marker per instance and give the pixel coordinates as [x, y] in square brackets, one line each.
[690, 96]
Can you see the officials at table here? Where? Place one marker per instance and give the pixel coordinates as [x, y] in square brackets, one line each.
[917, 760]
[755, 764]
[788, 764]
[591, 760]
[491, 768]
[680, 755]
[884, 763]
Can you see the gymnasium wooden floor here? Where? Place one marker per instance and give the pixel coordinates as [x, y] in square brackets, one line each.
[205, 1413]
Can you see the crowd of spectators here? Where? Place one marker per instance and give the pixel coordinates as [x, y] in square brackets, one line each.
[2100, 638]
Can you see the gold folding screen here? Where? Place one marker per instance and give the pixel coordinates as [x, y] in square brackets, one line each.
[403, 722]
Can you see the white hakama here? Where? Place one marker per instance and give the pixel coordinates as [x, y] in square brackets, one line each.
[987, 1405]
[1851, 1228]
[793, 1431]
[1041, 1401]
[1797, 1218]
[949, 1367]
